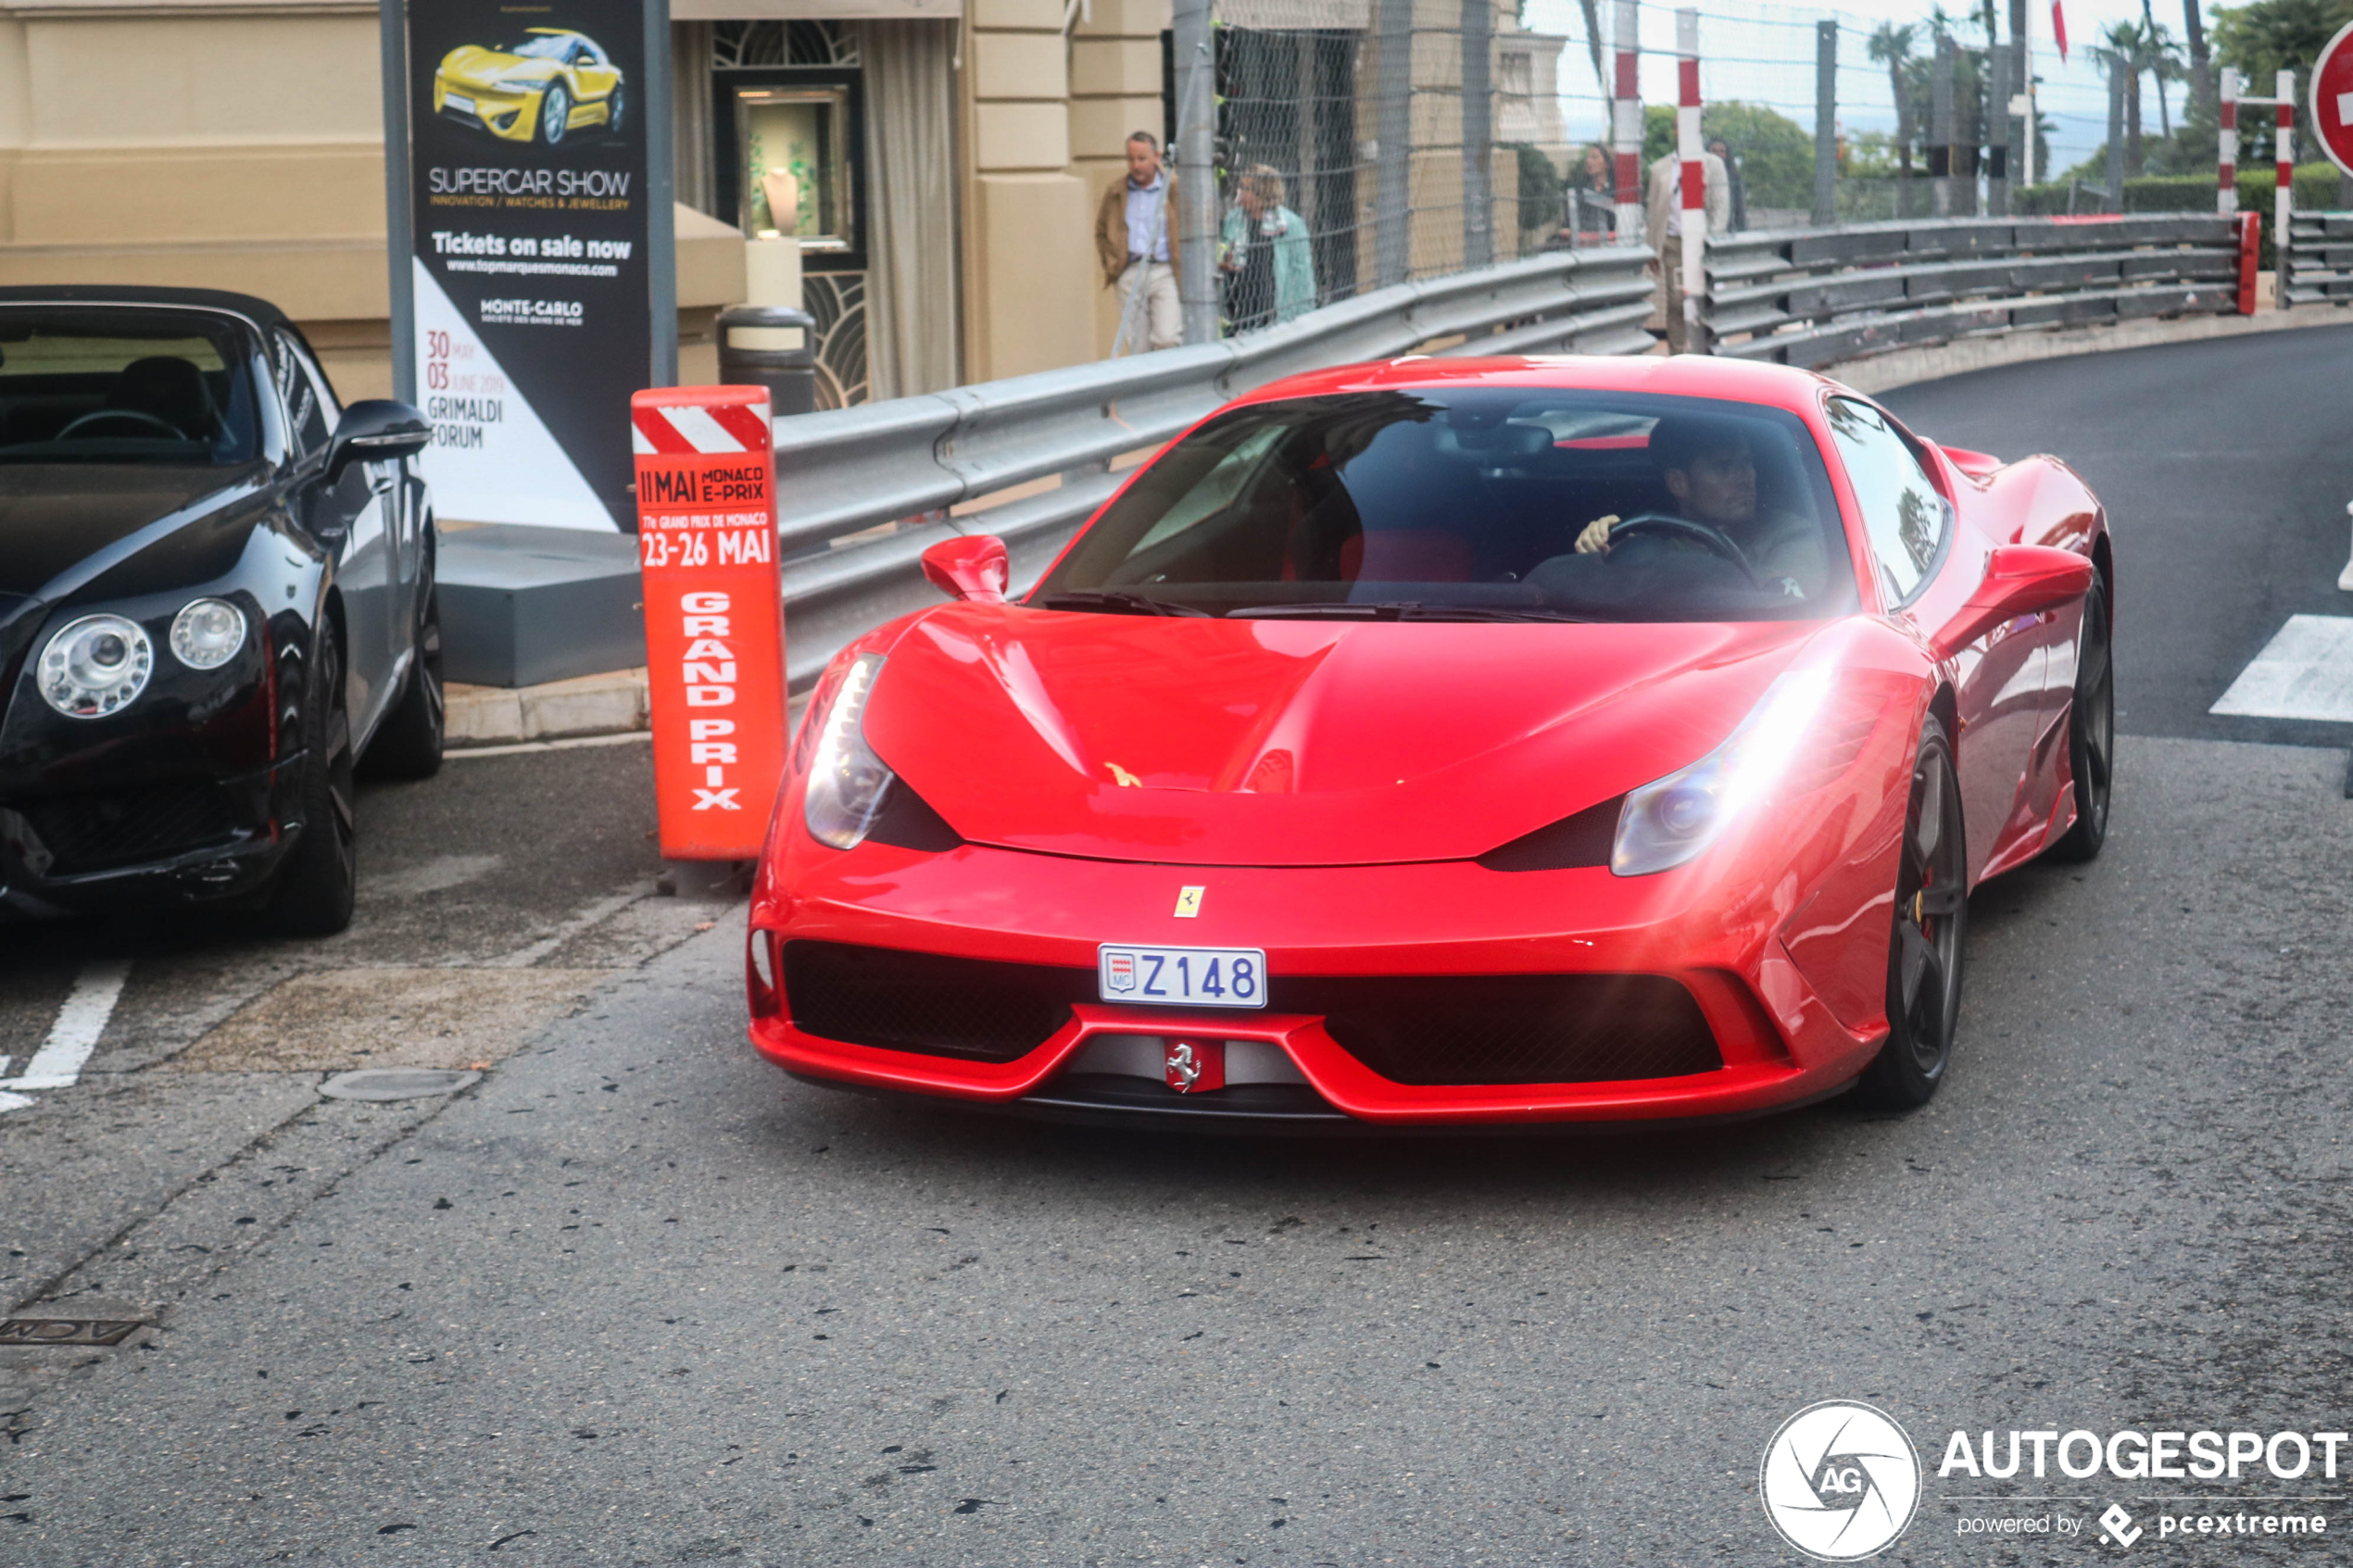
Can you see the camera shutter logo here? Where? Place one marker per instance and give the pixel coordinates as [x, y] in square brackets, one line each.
[1839, 1481]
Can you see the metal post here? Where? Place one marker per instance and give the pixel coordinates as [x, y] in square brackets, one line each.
[1479, 133]
[1196, 175]
[1392, 179]
[1940, 128]
[661, 178]
[1997, 131]
[392, 31]
[1826, 123]
[2226, 165]
[1626, 129]
[2115, 69]
[2022, 103]
[1690, 152]
[2283, 199]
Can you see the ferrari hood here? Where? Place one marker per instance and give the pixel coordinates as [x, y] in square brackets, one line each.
[1207, 741]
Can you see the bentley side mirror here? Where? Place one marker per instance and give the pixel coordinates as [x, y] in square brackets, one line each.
[972, 568]
[2020, 580]
[374, 430]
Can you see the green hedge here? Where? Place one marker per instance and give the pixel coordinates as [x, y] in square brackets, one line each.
[2316, 189]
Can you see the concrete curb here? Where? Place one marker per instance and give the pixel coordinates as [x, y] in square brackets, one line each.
[590, 705]
[1886, 372]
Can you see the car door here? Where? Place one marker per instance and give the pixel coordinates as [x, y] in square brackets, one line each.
[1929, 559]
[349, 518]
[594, 72]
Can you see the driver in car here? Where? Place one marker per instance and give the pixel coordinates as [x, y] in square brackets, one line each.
[1709, 469]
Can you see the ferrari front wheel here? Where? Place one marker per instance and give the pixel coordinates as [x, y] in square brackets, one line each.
[1932, 918]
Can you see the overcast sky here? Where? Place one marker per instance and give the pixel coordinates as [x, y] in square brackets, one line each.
[1765, 54]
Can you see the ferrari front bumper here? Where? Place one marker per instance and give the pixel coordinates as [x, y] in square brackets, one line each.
[1451, 925]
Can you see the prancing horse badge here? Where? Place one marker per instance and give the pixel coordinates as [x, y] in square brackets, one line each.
[1195, 1066]
[1189, 902]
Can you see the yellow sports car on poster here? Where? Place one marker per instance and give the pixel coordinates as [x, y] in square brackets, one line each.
[543, 86]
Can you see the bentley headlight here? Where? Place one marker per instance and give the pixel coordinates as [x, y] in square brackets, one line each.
[1669, 820]
[847, 781]
[208, 634]
[95, 666]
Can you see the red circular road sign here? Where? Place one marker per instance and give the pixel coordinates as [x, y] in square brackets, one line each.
[2333, 98]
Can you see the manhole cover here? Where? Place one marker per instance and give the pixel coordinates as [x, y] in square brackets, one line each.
[397, 1083]
[66, 1331]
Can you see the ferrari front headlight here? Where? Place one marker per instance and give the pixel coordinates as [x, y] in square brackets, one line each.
[206, 633]
[95, 666]
[1669, 820]
[847, 781]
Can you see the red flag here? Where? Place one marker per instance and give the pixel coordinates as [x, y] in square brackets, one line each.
[2059, 28]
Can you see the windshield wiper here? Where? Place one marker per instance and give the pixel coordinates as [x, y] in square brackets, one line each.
[1397, 611]
[1117, 604]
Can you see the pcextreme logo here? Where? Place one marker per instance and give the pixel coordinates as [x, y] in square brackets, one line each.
[1839, 1481]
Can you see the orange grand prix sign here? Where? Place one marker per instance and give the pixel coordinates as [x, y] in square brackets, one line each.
[714, 615]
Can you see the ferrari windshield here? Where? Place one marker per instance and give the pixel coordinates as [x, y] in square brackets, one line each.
[540, 46]
[124, 384]
[1474, 503]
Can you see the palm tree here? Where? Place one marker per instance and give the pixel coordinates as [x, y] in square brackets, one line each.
[2126, 50]
[1892, 46]
[2201, 73]
[2162, 59]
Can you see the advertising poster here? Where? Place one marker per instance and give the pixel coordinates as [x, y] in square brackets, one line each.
[529, 236]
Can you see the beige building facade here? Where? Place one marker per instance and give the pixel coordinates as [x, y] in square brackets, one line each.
[238, 144]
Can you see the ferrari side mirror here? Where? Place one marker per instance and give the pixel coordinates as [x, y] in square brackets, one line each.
[2020, 580]
[972, 568]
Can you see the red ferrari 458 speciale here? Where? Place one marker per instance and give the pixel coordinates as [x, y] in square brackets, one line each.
[1451, 742]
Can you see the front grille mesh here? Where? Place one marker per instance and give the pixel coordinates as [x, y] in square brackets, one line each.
[121, 827]
[1433, 1030]
[925, 1002]
[1419, 1030]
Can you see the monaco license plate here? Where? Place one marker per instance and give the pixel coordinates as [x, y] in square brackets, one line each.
[463, 104]
[1200, 977]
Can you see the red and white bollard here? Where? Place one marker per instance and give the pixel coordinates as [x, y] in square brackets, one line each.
[2283, 199]
[2226, 169]
[1692, 153]
[1626, 123]
[714, 615]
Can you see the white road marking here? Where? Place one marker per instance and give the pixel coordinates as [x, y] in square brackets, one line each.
[2306, 671]
[75, 1034]
[594, 915]
[14, 1102]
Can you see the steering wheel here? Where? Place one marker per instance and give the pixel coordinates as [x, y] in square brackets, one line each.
[1706, 535]
[97, 416]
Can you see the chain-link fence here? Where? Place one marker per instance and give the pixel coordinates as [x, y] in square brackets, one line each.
[1361, 142]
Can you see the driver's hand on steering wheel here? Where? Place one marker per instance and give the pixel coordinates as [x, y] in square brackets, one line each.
[1594, 541]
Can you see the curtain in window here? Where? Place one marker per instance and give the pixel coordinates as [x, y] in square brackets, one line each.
[913, 328]
[690, 115]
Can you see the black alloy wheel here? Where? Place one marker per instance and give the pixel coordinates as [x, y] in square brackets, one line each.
[554, 113]
[316, 884]
[1931, 918]
[2091, 731]
[408, 745]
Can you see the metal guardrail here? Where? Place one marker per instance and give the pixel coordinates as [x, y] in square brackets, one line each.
[864, 491]
[2316, 265]
[1816, 296]
[867, 469]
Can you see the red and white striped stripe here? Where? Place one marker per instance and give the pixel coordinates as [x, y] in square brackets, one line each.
[2226, 172]
[2283, 199]
[1691, 151]
[684, 428]
[1626, 123]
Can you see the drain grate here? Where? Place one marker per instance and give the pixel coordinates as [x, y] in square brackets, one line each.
[397, 1083]
[66, 1331]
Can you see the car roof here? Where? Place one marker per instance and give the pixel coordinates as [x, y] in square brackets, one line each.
[1683, 375]
[261, 312]
[558, 32]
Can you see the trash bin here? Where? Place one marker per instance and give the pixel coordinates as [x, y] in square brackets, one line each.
[789, 374]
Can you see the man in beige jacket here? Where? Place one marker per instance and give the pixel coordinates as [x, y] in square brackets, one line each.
[1665, 229]
[1136, 241]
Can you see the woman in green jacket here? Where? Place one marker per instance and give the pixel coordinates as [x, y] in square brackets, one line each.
[1268, 263]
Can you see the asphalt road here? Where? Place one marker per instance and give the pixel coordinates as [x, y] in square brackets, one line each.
[638, 1299]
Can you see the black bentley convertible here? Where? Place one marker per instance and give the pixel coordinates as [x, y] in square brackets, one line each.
[216, 602]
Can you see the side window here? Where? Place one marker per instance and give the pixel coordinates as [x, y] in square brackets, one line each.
[312, 409]
[1903, 513]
